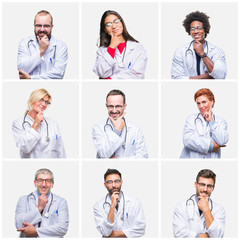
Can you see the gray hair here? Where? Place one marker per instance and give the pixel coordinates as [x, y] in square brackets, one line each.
[44, 171]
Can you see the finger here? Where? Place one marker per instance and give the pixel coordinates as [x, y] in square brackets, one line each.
[20, 229]
[38, 38]
[122, 116]
[111, 118]
[26, 223]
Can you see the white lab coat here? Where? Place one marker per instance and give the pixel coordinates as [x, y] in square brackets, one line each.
[197, 137]
[32, 143]
[135, 61]
[181, 64]
[56, 225]
[134, 220]
[108, 143]
[51, 65]
[186, 227]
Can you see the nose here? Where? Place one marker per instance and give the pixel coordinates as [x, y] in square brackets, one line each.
[44, 183]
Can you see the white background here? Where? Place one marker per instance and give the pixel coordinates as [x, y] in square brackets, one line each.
[178, 103]
[141, 183]
[18, 19]
[179, 185]
[223, 32]
[63, 109]
[159, 52]
[19, 176]
[141, 21]
[140, 105]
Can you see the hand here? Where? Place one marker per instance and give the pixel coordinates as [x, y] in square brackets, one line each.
[117, 234]
[42, 202]
[208, 116]
[203, 204]
[216, 147]
[116, 39]
[38, 119]
[23, 75]
[115, 198]
[198, 47]
[204, 235]
[29, 230]
[118, 124]
[43, 43]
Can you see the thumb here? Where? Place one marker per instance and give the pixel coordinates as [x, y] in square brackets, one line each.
[38, 38]
[26, 224]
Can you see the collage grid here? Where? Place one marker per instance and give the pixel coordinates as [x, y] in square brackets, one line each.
[158, 182]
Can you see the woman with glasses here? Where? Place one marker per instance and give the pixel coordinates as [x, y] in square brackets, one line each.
[119, 56]
[35, 135]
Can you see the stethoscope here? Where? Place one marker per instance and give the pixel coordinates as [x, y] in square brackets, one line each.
[24, 121]
[125, 138]
[121, 64]
[106, 202]
[190, 202]
[47, 213]
[54, 54]
[202, 126]
[189, 52]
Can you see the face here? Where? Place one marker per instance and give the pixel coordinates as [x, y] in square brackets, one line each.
[197, 34]
[40, 105]
[115, 106]
[204, 104]
[204, 187]
[43, 183]
[116, 28]
[113, 187]
[43, 26]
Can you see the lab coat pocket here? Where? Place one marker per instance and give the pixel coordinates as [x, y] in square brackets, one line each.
[54, 217]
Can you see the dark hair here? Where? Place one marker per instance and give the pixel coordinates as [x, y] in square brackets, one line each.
[205, 92]
[197, 16]
[206, 173]
[44, 12]
[105, 39]
[117, 92]
[112, 171]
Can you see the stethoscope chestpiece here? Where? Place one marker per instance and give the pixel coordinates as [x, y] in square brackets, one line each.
[47, 139]
[46, 214]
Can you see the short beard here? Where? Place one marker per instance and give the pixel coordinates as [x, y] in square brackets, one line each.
[39, 32]
[114, 190]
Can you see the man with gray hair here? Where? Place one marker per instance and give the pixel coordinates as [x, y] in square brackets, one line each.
[42, 213]
[42, 56]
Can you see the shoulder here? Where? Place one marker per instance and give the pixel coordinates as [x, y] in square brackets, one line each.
[213, 47]
[131, 199]
[99, 203]
[26, 39]
[219, 119]
[58, 42]
[18, 121]
[132, 125]
[217, 207]
[183, 48]
[59, 199]
[192, 116]
[135, 45]
[180, 206]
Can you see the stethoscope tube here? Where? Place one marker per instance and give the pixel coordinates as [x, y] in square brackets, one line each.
[106, 202]
[24, 121]
[198, 118]
[47, 213]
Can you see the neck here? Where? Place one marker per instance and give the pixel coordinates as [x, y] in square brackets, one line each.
[202, 41]
[32, 114]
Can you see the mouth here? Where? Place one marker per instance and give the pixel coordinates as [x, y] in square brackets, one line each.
[204, 194]
[197, 36]
[114, 115]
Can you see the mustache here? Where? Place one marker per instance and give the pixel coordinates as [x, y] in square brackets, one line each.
[39, 32]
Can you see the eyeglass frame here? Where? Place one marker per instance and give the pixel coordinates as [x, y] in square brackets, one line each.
[110, 182]
[196, 28]
[42, 26]
[209, 186]
[46, 102]
[111, 107]
[116, 21]
[47, 181]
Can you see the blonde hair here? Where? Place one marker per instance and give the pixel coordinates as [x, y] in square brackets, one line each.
[36, 96]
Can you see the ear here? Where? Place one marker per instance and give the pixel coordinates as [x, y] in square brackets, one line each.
[195, 184]
[52, 26]
[35, 184]
[52, 184]
[125, 106]
[105, 185]
[121, 182]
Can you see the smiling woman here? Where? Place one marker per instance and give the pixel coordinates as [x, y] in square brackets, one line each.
[119, 55]
[35, 135]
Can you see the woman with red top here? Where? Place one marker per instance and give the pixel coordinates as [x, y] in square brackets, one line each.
[119, 56]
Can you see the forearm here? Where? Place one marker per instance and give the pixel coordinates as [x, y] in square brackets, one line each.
[208, 218]
[203, 235]
[117, 234]
[202, 76]
[209, 63]
[111, 213]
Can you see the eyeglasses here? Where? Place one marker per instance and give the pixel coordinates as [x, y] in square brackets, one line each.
[46, 102]
[111, 107]
[203, 185]
[110, 182]
[109, 24]
[47, 181]
[44, 26]
[196, 28]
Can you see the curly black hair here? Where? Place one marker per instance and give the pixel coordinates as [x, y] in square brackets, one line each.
[197, 16]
